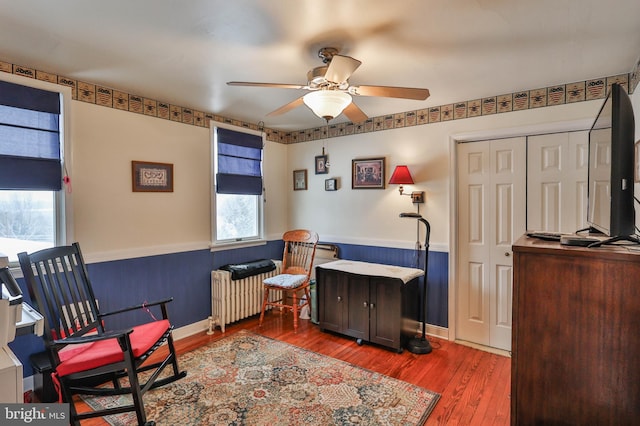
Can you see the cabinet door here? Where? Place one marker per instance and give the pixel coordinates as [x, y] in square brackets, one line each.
[331, 303]
[356, 317]
[385, 309]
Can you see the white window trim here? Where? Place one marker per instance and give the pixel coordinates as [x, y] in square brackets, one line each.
[226, 245]
[64, 198]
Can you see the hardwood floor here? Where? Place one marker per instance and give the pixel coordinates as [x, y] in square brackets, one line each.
[474, 384]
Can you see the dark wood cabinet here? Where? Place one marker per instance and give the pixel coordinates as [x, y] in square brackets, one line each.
[576, 335]
[381, 310]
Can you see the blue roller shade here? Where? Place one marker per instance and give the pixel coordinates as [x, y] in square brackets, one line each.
[30, 155]
[239, 163]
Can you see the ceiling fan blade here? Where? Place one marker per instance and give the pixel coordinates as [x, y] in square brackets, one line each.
[390, 92]
[354, 113]
[276, 85]
[287, 107]
[340, 68]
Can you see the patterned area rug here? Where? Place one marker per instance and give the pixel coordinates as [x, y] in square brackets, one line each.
[248, 379]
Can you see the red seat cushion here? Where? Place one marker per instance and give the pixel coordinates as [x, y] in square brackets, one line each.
[75, 358]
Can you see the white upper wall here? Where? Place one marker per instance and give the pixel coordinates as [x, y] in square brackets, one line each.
[371, 216]
[108, 216]
[113, 222]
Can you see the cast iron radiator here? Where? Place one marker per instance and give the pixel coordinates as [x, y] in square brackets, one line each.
[233, 300]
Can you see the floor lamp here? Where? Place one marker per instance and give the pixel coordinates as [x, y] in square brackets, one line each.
[421, 345]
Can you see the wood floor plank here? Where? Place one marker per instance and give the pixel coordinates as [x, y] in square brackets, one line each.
[460, 379]
[474, 385]
[476, 392]
[498, 407]
[493, 395]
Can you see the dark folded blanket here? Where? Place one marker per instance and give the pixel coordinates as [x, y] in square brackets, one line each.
[249, 269]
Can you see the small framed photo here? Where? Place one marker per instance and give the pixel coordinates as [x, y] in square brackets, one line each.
[367, 173]
[321, 165]
[330, 185]
[151, 177]
[300, 180]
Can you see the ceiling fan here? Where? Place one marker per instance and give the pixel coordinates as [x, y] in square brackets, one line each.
[330, 93]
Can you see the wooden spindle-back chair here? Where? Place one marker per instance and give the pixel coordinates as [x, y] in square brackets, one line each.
[297, 263]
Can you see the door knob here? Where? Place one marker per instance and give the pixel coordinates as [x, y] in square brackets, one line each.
[507, 254]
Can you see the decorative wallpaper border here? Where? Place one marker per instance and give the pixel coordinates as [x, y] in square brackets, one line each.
[517, 101]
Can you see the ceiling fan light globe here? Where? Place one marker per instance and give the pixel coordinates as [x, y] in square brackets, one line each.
[327, 104]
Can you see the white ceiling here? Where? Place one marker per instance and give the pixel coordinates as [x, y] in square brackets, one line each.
[184, 52]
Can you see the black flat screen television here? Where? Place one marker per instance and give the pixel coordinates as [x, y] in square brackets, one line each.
[611, 169]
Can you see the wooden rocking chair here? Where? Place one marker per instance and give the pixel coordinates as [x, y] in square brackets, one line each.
[84, 356]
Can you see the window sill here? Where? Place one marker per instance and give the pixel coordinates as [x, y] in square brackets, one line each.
[236, 244]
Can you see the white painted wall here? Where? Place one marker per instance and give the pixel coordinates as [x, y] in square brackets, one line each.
[371, 216]
[108, 215]
[276, 180]
[112, 222]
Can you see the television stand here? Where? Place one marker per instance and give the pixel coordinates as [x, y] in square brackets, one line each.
[631, 238]
[590, 230]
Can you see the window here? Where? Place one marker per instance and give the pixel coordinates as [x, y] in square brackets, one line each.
[31, 155]
[237, 176]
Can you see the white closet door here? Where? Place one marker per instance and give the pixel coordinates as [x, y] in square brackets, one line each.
[492, 209]
[557, 182]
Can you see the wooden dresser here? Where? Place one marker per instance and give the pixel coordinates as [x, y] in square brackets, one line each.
[576, 335]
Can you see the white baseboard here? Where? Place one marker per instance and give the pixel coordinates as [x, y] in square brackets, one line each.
[191, 329]
[484, 348]
[436, 331]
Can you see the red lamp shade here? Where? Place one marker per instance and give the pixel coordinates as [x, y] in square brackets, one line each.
[401, 176]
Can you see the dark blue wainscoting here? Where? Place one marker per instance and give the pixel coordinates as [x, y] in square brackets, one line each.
[186, 277]
[22, 347]
[183, 276]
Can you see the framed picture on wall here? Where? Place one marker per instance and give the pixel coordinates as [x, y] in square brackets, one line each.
[151, 177]
[321, 165]
[367, 173]
[300, 180]
[330, 185]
